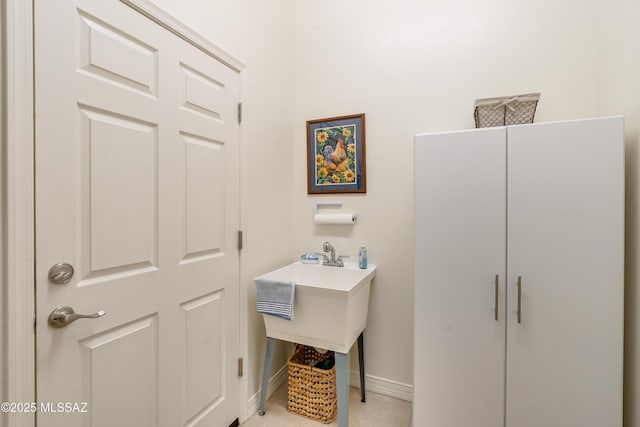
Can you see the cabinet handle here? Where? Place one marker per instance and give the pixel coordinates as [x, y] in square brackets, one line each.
[519, 312]
[495, 292]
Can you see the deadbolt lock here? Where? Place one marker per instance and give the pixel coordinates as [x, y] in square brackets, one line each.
[60, 273]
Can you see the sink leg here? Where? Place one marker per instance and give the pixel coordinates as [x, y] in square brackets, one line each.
[268, 358]
[363, 397]
[342, 385]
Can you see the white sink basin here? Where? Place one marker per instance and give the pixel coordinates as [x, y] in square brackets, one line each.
[331, 305]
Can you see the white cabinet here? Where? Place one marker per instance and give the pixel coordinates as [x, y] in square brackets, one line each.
[519, 257]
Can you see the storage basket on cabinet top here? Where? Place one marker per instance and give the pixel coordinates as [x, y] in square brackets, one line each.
[505, 110]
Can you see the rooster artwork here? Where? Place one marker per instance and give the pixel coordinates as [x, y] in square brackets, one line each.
[337, 149]
[336, 162]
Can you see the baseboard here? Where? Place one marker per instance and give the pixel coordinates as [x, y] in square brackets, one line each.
[383, 386]
[275, 382]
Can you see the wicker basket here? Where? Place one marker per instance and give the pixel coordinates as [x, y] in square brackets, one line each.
[506, 110]
[312, 391]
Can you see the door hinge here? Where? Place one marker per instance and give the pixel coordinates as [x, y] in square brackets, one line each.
[240, 240]
[239, 112]
[34, 322]
[240, 366]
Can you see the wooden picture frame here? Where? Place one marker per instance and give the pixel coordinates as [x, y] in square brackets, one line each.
[336, 155]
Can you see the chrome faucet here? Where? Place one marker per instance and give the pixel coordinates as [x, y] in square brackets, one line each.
[331, 260]
[327, 247]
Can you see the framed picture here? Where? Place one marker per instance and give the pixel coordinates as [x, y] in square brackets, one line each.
[336, 155]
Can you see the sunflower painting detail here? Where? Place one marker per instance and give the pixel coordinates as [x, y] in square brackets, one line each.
[322, 137]
[336, 152]
[336, 158]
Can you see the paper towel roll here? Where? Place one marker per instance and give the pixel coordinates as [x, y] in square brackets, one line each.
[334, 218]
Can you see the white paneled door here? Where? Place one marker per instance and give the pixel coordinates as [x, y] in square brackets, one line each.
[137, 188]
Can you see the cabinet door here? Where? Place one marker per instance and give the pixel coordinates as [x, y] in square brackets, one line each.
[565, 241]
[460, 209]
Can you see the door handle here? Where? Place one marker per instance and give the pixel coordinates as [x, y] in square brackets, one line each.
[62, 316]
[519, 312]
[495, 294]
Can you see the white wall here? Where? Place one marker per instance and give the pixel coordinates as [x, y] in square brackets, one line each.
[620, 94]
[259, 34]
[417, 66]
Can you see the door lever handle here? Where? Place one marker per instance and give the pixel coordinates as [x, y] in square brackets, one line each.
[62, 316]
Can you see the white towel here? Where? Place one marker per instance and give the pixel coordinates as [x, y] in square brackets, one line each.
[275, 298]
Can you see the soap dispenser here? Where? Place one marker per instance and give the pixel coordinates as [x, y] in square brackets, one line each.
[362, 256]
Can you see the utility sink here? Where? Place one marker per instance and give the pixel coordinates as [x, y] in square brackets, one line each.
[330, 306]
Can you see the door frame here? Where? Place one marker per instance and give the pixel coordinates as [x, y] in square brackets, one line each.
[17, 230]
[18, 278]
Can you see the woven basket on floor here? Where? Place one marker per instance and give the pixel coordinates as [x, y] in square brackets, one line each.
[312, 391]
[505, 110]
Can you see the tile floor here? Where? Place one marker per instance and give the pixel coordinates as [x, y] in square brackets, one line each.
[378, 411]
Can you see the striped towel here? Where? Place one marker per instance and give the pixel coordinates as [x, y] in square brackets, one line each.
[275, 298]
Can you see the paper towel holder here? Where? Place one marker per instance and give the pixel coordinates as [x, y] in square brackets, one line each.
[326, 204]
[319, 218]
